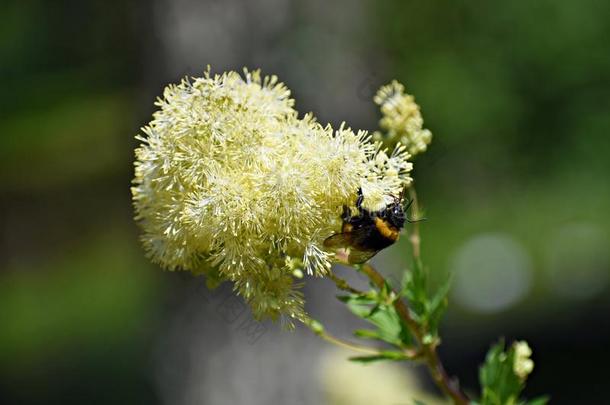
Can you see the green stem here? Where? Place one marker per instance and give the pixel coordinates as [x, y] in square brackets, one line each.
[343, 284]
[428, 351]
[317, 328]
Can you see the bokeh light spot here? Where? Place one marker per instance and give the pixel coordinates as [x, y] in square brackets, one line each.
[492, 272]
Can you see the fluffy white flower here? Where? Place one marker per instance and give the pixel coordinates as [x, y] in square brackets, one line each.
[230, 182]
[402, 121]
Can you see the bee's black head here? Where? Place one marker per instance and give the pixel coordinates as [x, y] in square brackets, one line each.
[394, 214]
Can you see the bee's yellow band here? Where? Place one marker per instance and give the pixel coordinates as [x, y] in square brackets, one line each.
[386, 230]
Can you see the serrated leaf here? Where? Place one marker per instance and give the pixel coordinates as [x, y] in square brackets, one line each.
[390, 328]
[437, 306]
[415, 291]
[374, 310]
[426, 309]
[441, 294]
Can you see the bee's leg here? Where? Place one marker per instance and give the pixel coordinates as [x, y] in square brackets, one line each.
[402, 193]
[412, 221]
[409, 204]
[407, 207]
[359, 199]
[347, 214]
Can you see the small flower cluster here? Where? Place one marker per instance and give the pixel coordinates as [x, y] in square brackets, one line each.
[522, 365]
[402, 121]
[232, 183]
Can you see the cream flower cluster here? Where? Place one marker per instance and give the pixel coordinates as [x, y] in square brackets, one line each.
[401, 121]
[522, 365]
[231, 182]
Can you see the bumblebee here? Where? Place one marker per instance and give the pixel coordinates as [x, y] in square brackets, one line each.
[368, 232]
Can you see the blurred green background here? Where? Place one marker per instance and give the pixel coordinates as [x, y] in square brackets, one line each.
[515, 185]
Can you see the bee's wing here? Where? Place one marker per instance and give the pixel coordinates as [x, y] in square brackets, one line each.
[360, 256]
[338, 240]
[346, 240]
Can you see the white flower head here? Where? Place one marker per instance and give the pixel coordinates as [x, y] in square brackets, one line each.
[230, 182]
[522, 365]
[401, 120]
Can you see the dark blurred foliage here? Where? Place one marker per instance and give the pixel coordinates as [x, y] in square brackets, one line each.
[516, 94]
[77, 298]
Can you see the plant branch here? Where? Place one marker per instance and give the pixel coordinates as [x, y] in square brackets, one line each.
[319, 330]
[428, 350]
[343, 284]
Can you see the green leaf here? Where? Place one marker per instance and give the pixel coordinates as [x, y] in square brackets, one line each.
[385, 355]
[543, 400]
[367, 334]
[389, 327]
[360, 305]
[415, 291]
[499, 383]
[437, 306]
[426, 309]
